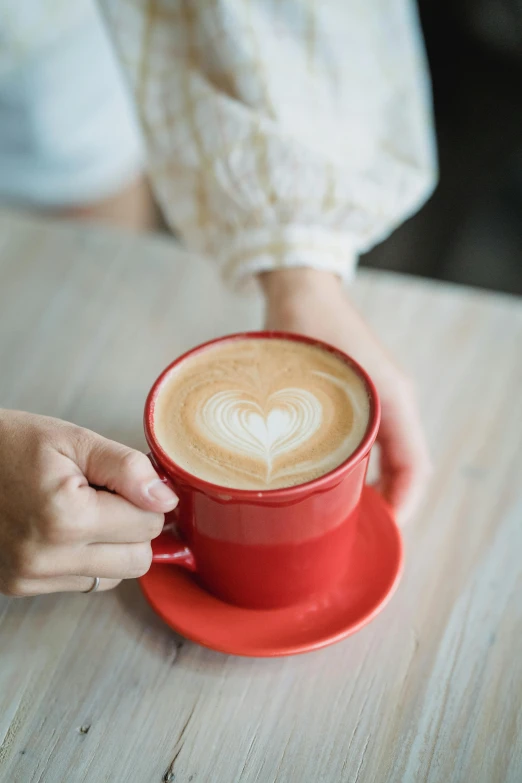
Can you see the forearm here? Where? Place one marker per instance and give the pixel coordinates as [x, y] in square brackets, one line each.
[287, 287]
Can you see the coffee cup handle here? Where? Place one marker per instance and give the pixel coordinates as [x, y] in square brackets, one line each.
[168, 548]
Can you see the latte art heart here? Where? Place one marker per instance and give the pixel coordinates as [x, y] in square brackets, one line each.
[261, 413]
[290, 418]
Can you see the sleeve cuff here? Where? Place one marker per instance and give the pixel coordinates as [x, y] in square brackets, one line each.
[250, 252]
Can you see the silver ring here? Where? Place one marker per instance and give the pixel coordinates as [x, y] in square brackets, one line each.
[94, 586]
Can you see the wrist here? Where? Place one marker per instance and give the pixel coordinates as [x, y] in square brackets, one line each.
[286, 286]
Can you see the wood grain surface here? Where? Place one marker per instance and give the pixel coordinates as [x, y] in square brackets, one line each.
[96, 689]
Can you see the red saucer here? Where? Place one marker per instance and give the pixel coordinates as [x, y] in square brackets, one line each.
[374, 572]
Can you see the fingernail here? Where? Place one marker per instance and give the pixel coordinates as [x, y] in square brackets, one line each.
[161, 493]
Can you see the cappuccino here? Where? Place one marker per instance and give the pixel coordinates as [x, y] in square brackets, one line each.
[261, 413]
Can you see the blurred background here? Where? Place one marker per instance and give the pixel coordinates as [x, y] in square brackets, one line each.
[471, 229]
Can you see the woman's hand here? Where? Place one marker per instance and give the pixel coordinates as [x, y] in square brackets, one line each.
[313, 303]
[57, 531]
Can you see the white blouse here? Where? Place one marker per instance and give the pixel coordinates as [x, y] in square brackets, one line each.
[281, 133]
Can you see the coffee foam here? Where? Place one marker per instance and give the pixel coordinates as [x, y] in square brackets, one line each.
[261, 413]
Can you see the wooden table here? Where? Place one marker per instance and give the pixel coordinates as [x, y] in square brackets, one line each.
[97, 689]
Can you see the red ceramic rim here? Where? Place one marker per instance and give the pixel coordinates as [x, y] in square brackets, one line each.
[283, 492]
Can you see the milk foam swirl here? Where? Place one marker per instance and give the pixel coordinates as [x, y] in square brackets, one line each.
[261, 413]
[242, 425]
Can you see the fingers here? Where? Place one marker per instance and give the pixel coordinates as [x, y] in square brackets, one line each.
[24, 588]
[403, 489]
[108, 561]
[60, 569]
[124, 471]
[82, 515]
[116, 561]
[405, 461]
[117, 521]
[57, 532]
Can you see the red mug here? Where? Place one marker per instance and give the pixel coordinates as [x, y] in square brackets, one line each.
[263, 549]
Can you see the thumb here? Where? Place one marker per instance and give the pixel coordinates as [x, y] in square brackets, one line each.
[125, 471]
